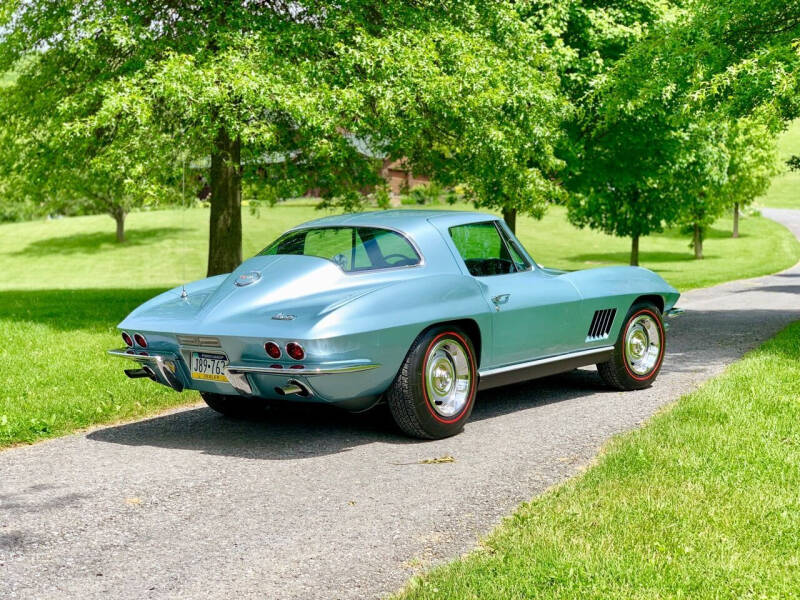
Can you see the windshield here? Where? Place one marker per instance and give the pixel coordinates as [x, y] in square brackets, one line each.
[351, 248]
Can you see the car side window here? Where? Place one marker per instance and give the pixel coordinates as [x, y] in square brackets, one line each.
[483, 250]
[394, 249]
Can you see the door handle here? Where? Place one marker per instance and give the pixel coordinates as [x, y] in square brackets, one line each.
[500, 299]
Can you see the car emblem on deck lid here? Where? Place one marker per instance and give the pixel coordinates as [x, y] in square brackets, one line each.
[283, 317]
[247, 278]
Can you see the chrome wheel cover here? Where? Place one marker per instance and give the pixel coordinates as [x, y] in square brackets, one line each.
[448, 377]
[642, 344]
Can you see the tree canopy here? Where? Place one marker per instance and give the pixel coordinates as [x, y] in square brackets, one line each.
[509, 99]
[649, 151]
[463, 89]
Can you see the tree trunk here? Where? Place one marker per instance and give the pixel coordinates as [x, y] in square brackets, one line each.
[119, 214]
[510, 217]
[225, 233]
[698, 241]
[635, 250]
[736, 220]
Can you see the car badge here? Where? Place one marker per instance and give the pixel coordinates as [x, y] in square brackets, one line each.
[247, 278]
[283, 317]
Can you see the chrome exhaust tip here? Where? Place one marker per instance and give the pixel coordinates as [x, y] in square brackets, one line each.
[292, 388]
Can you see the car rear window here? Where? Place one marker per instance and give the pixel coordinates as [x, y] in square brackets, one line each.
[353, 249]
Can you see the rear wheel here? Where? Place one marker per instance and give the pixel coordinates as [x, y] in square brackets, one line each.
[433, 394]
[639, 350]
[237, 407]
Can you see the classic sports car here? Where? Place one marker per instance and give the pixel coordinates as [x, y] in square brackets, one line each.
[418, 308]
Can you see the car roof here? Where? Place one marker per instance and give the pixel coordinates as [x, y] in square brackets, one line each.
[402, 220]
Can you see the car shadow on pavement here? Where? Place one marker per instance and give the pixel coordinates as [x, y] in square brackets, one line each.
[294, 431]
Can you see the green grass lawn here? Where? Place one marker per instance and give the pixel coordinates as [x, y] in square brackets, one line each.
[167, 247]
[702, 502]
[785, 189]
[65, 284]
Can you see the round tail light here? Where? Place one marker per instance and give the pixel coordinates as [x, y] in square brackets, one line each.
[126, 337]
[273, 350]
[295, 350]
[140, 340]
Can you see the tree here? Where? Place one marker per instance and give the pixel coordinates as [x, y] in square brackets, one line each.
[208, 79]
[619, 188]
[624, 160]
[700, 167]
[472, 100]
[615, 151]
[752, 150]
[242, 81]
[706, 62]
[71, 173]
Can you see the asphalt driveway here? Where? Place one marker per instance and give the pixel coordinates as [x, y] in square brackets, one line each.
[318, 504]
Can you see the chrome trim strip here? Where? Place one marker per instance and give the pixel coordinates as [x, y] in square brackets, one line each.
[675, 312]
[544, 361]
[150, 358]
[308, 372]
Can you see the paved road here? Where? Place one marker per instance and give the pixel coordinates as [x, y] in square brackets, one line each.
[315, 504]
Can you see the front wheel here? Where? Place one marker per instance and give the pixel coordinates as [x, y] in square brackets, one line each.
[639, 350]
[433, 394]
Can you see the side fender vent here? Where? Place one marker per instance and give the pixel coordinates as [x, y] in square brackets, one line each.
[601, 324]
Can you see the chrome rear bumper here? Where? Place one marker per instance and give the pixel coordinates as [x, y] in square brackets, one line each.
[237, 372]
[161, 368]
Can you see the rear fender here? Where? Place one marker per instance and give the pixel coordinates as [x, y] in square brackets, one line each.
[387, 321]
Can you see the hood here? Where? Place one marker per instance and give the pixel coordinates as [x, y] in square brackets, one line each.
[618, 280]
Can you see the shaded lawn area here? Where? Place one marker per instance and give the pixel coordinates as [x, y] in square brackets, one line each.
[56, 376]
[702, 502]
[65, 284]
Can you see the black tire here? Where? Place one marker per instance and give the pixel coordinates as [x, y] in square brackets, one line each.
[237, 407]
[408, 395]
[618, 372]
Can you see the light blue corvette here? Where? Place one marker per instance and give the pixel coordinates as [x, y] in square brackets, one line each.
[420, 309]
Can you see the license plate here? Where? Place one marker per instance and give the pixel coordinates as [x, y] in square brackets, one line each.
[210, 367]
